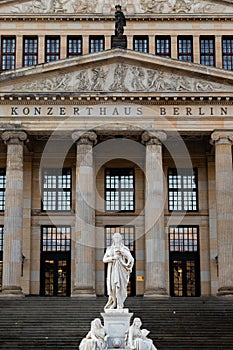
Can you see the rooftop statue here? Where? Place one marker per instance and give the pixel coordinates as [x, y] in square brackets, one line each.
[120, 22]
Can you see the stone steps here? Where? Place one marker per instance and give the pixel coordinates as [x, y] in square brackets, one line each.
[60, 323]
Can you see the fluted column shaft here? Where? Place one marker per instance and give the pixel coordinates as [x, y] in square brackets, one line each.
[155, 283]
[223, 141]
[13, 218]
[84, 279]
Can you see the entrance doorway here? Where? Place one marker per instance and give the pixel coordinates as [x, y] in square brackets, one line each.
[55, 275]
[184, 261]
[128, 235]
[55, 261]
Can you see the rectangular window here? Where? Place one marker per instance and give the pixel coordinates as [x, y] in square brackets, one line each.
[8, 53]
[141, 44]
[30, 51]
[1, 255]
[96, 43]
[227, 52]
[163, 46]
[119, 190]
[183, 238]
[56, 238]
[185, 48]
[56, 185]
[182, 190]
[52, 48]
[2, 189]
[207, 51]
[74, 46]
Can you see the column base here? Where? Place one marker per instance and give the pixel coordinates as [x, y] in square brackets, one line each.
[225, 291]
[156, 292]
[83, 292]
[12, 291]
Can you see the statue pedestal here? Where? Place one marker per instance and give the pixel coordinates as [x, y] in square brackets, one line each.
[120, 43]
[116, 323]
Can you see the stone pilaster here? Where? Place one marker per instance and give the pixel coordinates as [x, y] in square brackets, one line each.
[156, 280]
[13, 219]
[223, 141]
[84, 279]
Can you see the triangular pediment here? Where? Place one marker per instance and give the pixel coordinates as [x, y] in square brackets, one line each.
[116, 72]
[107, 7]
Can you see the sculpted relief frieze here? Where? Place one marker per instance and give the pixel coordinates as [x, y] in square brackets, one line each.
[108, 6]
[119, 77]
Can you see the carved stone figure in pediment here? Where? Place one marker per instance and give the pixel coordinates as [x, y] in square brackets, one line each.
[120, 73]
[128, 6]
[138, 77]
[98, 79]
[84, 6]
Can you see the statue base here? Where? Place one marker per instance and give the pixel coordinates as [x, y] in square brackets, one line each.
[119, 43]
[116, 323]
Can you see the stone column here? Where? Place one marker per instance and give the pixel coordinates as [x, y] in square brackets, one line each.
[223, 141]
[13, 219]
[84, 279]
[156, 279]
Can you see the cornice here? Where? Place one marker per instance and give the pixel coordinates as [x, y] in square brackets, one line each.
[109, 18]
[154, 99]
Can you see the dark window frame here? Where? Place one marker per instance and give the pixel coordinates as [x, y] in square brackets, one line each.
[95, 44]
[207, 51]
[174, 193]
[162, 43]
[8, 53]
[118, 172]
[56, 241]
[227, 52]
[185, 48]
[186, 244]
[52, 49]
[56, 172]
[141, 43]
[30, 51]
[77, 48]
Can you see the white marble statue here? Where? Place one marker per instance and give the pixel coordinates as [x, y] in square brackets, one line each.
[136, 338]
[96, 339]
[120, 263]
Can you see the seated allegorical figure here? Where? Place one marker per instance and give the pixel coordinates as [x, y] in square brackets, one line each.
[96, 339]
[136, 338]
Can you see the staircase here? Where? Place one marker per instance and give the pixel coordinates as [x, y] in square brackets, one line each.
[32, 323]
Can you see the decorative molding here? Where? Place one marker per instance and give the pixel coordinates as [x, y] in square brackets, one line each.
[119, 77]
[156, 137]
[85, 138]
[14, 137]
[222, 137]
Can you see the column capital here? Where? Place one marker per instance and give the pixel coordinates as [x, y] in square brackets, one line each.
[222, 137]
[85, 138]
[156, 137]
[14, 137]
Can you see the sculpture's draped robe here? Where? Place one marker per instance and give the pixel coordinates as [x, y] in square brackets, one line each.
[118, 272]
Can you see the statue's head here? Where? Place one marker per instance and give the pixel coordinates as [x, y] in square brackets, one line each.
[118, 7]
[96, 323]
[137, 322]
[117, 238]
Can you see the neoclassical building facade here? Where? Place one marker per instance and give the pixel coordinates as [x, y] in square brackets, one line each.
[96, 140]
